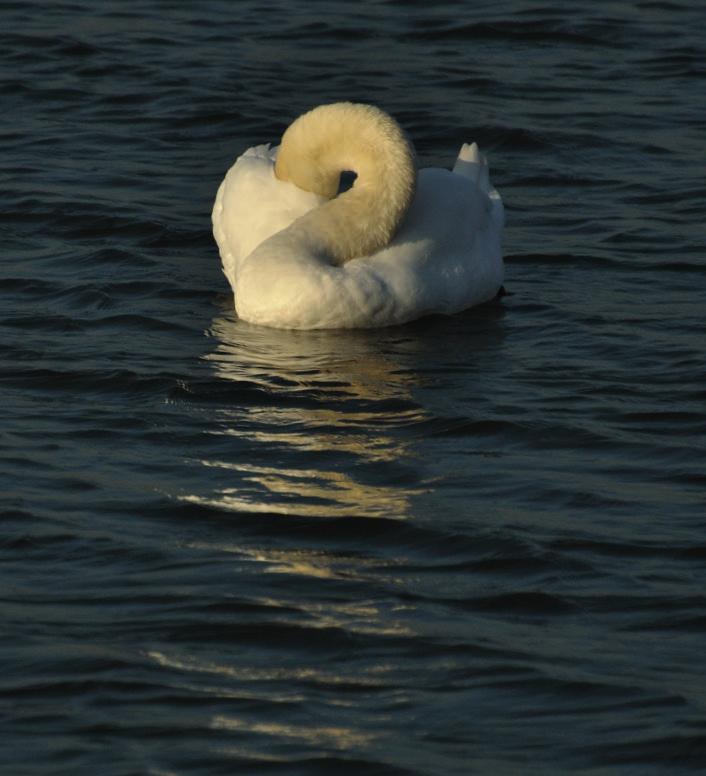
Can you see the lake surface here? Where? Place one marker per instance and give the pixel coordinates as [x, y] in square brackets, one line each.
[468, 545]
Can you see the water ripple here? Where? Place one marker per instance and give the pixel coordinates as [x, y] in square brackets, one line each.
[463, 545]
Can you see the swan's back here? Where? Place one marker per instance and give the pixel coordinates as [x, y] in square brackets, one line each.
[448, 254]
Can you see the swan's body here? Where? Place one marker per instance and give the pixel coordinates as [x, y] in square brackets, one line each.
[395, 247]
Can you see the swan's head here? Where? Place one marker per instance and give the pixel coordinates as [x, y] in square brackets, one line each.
[309, 169]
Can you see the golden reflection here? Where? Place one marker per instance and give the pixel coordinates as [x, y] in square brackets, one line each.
[327, 427]
[329, 737]
[363, 617]
[375, 677]
[306, 493]
[344, 397]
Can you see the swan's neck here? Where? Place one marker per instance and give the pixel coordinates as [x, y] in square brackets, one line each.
[331, 139]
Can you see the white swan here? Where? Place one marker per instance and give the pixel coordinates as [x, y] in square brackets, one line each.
[396, 246]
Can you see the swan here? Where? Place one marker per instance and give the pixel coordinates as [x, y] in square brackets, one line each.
[398, 245]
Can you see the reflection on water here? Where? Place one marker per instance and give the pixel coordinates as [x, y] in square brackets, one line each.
[280, 687]
[363, 365]
[191, 668]
[307, 493]
[321, 436]
[329, 737]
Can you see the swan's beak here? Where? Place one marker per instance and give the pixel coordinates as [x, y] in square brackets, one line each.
[281, 169]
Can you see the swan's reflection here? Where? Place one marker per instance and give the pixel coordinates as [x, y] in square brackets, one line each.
[362, 364]
[325, 441]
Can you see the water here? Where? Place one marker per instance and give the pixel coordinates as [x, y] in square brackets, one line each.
[469, 545]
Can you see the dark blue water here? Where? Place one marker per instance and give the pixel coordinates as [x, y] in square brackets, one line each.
[469, 545]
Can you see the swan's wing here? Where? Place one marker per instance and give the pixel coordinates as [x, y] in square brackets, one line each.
[252, 204]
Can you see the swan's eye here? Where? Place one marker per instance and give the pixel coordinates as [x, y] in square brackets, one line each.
[346, 181]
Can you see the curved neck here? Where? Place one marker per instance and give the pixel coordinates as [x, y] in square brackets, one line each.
[331, 139]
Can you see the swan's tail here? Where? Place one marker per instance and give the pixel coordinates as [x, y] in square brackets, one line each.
[472, 164]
